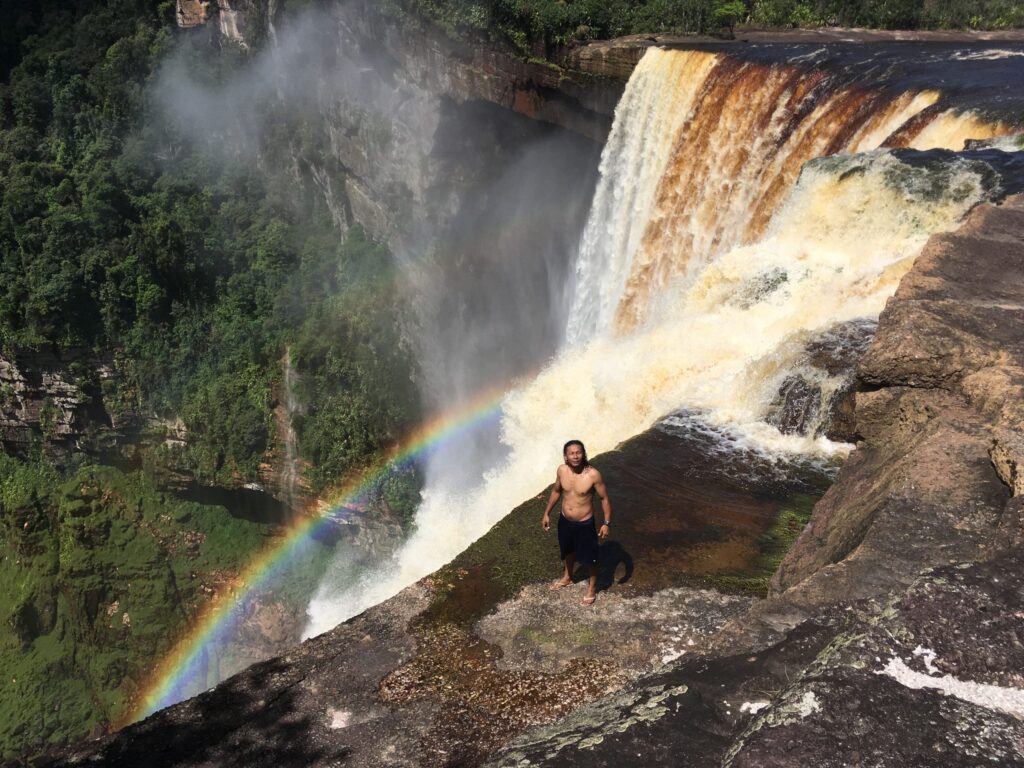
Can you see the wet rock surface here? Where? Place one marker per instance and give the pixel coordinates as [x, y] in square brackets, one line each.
[797, 406]
[865, 684]
[820, 399]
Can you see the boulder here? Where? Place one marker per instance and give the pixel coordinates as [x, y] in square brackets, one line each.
[932, 480]
[819, 398]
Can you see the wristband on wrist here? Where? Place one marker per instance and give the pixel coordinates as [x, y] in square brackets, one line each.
[608, 522]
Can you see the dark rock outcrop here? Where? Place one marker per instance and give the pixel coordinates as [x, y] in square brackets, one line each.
[797, 406]
[940, 383]
[819, 398]
[943, 376]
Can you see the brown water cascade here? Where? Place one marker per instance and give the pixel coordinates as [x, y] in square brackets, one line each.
[736, 134]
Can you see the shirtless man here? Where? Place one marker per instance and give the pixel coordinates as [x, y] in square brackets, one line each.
[576, 537]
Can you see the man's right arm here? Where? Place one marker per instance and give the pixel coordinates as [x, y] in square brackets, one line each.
[556, 494]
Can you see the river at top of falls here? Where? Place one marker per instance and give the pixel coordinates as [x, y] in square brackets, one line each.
[727, 229]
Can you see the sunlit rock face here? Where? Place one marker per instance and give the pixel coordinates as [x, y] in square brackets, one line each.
[888, 681]
[59, 400]
[238, 22]
[192, 13]
[945, 374]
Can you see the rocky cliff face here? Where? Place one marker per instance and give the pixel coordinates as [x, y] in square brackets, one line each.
[432, 128]
[389, 163]
[65, 400]
[77, 401]
[939, 414]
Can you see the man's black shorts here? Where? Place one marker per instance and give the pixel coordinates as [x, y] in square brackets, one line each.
[580, 538]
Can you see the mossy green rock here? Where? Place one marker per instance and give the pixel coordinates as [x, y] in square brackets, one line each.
[99, 574]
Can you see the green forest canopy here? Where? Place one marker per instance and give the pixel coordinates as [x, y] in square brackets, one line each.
[527, 23]
[117, 233]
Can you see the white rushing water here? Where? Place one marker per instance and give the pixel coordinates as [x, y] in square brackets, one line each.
[290, 469]
[715, 322]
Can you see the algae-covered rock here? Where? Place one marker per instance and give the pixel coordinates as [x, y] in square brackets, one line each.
[99, 574]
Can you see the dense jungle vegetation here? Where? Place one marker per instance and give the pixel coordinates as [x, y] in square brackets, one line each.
[537, 25]
[118, 232]
[100, 572]
[121, 233]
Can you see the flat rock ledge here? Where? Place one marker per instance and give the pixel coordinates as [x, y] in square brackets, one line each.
[928, 677]
[396, 687]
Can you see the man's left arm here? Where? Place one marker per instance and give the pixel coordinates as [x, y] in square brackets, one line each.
[606, 505]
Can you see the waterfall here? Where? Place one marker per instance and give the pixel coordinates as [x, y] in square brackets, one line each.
[742, 209]
[290, 470]
[704, 149]
[722, 341]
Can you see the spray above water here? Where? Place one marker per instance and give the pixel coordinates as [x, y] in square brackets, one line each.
[703, 272]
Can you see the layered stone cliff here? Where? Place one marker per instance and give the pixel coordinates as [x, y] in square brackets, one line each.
[933, 479]
[46, 397]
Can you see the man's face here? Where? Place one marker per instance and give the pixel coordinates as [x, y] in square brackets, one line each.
[574, 456]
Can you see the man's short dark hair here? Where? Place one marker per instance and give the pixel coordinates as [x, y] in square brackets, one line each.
[570, 444]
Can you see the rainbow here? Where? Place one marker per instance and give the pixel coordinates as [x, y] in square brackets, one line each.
[186, 663]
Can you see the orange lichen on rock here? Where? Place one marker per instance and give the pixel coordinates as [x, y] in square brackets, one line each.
[192, 13]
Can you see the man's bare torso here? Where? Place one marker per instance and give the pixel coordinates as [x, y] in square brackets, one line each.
[577, 492]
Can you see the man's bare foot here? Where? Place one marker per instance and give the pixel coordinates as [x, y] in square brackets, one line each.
[562, 582]
[588, 600]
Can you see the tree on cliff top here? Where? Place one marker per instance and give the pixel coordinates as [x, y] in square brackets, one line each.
[537, 26]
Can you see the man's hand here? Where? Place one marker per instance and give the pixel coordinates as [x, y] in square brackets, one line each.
[545, 522]
[603, 533]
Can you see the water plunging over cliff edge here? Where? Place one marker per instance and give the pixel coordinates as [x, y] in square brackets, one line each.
[717, 246]
[704, 149]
